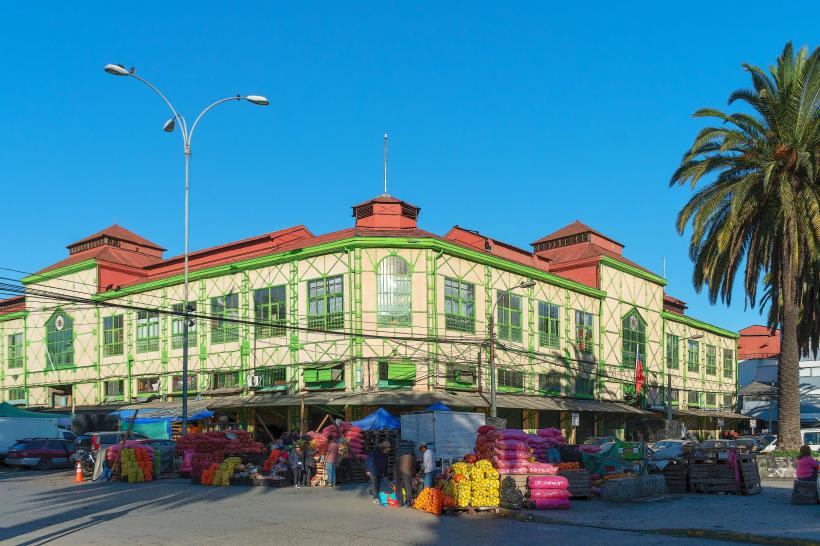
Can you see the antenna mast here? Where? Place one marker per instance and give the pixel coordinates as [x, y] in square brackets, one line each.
[385, 164]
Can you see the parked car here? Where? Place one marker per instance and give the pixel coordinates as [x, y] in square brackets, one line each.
[670, 449]
[721, 444]
[811, 437]
[41, 453]
[751, 443]
[768, 442]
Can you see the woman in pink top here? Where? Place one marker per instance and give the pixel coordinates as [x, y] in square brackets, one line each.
[331, 454]
[806, 465]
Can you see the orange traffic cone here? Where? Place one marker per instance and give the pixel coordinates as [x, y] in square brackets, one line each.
[78, 473]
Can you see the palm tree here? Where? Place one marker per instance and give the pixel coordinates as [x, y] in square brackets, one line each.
[762, 211]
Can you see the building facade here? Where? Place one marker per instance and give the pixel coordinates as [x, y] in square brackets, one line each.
[382, 308]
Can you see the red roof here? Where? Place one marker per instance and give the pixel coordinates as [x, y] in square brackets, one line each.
[581, 251]
[384, 198]
[574, 228]
[109, 254]
[11, 305]
[118, 232]
[756, 341]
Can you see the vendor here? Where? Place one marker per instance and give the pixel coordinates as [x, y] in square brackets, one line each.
[376, 468]
[428, 465]
[407, 469]
[297, 465]
[331, 454]
[806, 465]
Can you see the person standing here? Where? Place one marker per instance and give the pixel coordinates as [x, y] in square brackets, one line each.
[428, 465]
[407, 469]
[331, 454]
[310, 464]
[806, 465]
[376, 468]
[296, 459]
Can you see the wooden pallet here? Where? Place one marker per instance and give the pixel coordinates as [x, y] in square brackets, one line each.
[580, 483]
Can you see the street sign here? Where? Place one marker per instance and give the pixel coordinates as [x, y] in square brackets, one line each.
[720, 423]
[753, 423]
[576, 418]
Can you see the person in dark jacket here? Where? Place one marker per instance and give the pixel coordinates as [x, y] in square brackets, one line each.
[376, 468]
[296, 459]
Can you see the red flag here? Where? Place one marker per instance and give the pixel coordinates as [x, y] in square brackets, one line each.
[638, 372]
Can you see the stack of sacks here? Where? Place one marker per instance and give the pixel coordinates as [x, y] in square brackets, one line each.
[553, 439]
[542, 468]
[510, 451]
[352, 434]
[548, 492]
[318, 442]
[483, 443]
[538, 446]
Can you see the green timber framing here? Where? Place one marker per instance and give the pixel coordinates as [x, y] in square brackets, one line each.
[434, 249]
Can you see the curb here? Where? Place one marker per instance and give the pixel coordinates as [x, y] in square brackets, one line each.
[726, 536]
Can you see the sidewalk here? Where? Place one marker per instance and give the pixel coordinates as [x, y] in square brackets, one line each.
[768, 514]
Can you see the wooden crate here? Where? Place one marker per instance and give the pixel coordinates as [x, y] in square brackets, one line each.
[676, 474]
[713, 475]
[580, 484]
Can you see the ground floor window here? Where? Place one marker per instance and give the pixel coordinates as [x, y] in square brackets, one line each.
[16, 394]
[324, 376]
[224, 380]
[176, 384]
[114, 390]
[147, 385]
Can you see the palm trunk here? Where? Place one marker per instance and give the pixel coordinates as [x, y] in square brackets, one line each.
[788, 374]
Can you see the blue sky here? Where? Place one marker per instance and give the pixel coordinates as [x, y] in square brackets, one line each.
[513, 119]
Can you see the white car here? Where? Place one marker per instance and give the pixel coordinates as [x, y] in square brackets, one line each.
[811, 437]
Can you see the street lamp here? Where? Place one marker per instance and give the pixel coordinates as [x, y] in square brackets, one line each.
[187, 135]
[669, 381]
[491, 326]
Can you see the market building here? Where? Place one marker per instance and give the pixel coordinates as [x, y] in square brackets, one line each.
[290, 323]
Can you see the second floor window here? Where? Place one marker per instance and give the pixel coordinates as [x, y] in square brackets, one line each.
[633, 330]
[461, 376]
[510, 379]
[672, 352]
[147, 331]
[509, 316]
[326, 303]
[394, 294]
[16, 350]
[269, 310]
[548, 325]
[224, 313]
[550, 382]
[176, 383]
[147, 385]
[115, 389]
[459, 305]
[693, 398]
[693, 356]
[275, 376]
[178, 326]
[113, 335]
[728, 363]
[584, 386]
[59, 341]
[711, 360]
[584, 339]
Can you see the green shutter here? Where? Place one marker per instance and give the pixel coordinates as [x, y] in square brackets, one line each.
[401, 371]
[311, 376]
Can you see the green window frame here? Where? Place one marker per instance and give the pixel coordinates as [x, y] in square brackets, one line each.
[459, 305]
[710, 399]
[16, 351]
[672, 352]
[270, 308]
[673, 395]
[60, 341]
[225, 380]
[324, 377]
[224, 313]
[549, 333]
[711, 360]
[394, 293]
[728, 363]
[693, 399]
[728, 402]
[147, 331]
[693, 355]
[550, 382]
[326, 303]
[461, 376]
[633, 336]
[16, 394]
[114, 389]
[509, 313]
[397, 373]
[176, 383]
[145, 385]
[178, 325]
[584, 332]
[274, 378]
[584, 386]
[113, 335]
[510, 380]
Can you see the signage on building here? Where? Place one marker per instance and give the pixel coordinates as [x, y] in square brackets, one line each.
[753, 423]
[59, 323]
[576, 418]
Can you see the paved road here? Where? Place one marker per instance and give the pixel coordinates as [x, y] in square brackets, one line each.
[47, 508]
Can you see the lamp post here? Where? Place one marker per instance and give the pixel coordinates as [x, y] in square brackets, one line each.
[491, 326]
[669, 380]
[187, 135]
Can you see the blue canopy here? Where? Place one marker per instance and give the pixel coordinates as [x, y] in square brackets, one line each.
[438, 406]
[161, 413]
[379, 419]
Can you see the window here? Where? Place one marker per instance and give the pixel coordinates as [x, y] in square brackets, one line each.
[461, 376]
[225, 310]
[176, 384]
[59, 341]
[147, 331]
[549, 382]
[548, 325]
[16, 351]
[672, 352]
[673, 396]
[728, 363]
[509, 316]
[273, 377]
[711, 360]
[114, 390]
[459, 305]
[269, 308]
[728, 402]
[584, 386]
[583, 332]
[224, 380]
[633, 334]
[693, 356]
[178, 326]
[693, 398]
[326, 303]
[113, 335]
[394, 296]
[16, 394]
[324, 377]
[148, 385]
[397, 374]
[510, 380]
[711, 399]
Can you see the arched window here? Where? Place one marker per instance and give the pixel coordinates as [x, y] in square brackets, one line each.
[394, 292]
[634, 339]
[59, 341]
